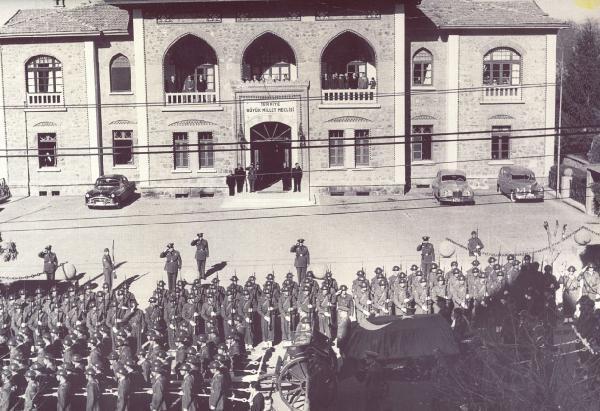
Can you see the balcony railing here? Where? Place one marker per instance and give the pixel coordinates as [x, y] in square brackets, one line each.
[191, 98]
[345, 96]
[44, 99]
[501, 94]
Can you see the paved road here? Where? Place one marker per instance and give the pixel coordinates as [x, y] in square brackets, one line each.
[367, 232]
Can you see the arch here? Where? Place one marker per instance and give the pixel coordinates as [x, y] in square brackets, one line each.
[422, 67]
[349, 119]
[191, 123]
[190, 64]
[43, 74]
[502, 67]
[423, 117]
[347, 58]
[120, 73]
[121, 122]
[45, 124]
[501, 117]
[269, 57]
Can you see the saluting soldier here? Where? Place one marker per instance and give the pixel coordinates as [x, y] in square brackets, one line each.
[108, 269]
[427, 254]
[474, 245]
[202, 253]
[50, 262]
[302, 260]
[172, 264]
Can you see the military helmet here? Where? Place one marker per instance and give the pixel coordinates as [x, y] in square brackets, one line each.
[270, 276]
[310, 274]
[396, 268]
[492, 260]
[414, 267]
[475, 263]
[433, 266]
[497, 267]
[343, 288]
[378, 270]
[289, 276]
[571, 269]
[454, 264]
[360, 273]
[440, 278]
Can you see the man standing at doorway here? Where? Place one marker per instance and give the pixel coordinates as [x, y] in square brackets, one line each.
[302, 259]
[230, 181]
[286, 177]
[201, 253]
[297, 177]
[240, 178]
[251, 177]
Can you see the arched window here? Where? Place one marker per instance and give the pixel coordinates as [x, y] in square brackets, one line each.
[502, 66]
[120, 74]
[44, 75]
[422, 68]
[348, 62]
[269, 57]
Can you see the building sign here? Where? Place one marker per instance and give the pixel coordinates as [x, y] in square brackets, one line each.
[252, 108]
[172, 18]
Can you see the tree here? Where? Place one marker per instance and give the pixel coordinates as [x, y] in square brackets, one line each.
[581, 85]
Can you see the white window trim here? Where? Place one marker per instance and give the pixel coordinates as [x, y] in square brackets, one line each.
[49, 170]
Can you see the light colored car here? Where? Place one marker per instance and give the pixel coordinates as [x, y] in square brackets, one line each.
[519, 183]
[451, 186]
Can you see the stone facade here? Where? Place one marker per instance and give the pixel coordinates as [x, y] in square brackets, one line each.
[457, 62]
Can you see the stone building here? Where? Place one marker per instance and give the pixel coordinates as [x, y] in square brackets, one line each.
[366, 96]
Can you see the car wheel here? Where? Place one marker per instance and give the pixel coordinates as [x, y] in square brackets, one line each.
[513, 197]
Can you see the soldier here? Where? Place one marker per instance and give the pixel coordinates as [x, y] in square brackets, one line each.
[325, 311]
[218, 388]
[512, 274]
[108, 269]
[135, 319]
[306, 306]
[247, 309]
[345, 312]
[330, 282]
[474, 245]
[202, 253]
[472, 274]
[302, 260]
[287, 308]
[490, 267]
[360, 277]
[427, 254]
[571, 293]
[363, 303]
[394, 277]
[93, 393]
[124, 390]
[509, 259]
[266, 309]
[439, 297]
[65, 392]
[401, 297]
[458, 293]
[172, 264]
[591, 283]
[480, 295]
[292, 285]
[420, 295]
[235, 288]
[376, 279]
[189, 389]
[159, 391]
[50, 262]
[31, 392]
[381, 300]
[229, 311]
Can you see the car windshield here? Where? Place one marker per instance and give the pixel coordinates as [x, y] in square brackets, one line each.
[453, 177]
[107, 182]
[522, 177]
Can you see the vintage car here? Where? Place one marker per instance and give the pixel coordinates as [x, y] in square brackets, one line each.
[4, 191]
[519, 184]
[451, 186]
[110, 191]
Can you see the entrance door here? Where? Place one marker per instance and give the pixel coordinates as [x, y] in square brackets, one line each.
[270, 150]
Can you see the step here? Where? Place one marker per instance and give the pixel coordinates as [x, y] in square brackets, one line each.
[267, 200]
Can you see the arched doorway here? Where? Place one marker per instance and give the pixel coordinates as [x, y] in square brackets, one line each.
[270, 152]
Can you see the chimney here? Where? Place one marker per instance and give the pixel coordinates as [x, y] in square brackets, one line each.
[59, 3]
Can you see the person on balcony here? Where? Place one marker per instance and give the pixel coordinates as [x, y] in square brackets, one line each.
[363, 81]
[325, 82]
[352, 80]
[334, 81]
[372, 83]
[202, 86]
[189, 86]
[171, 85]
[343, 82]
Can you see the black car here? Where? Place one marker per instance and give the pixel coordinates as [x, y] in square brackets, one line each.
[110, 191]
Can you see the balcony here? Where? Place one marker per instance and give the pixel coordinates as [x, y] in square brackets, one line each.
[45, 99]
[209, 97]
[349, 96]
[493, 94]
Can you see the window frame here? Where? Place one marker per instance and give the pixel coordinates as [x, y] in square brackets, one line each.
[336, 148]
[113, 88]
[362, 150]
[52, 67]
[117, 136]
[500, 143]
[206, 150]
[421, 64]
[493, 64]
[209, 73]
[181, 139]
[421, 138]
[53, 150]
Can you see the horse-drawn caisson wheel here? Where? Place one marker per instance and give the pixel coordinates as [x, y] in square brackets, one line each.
[292, 383]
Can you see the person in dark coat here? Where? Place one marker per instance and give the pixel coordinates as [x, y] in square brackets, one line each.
[427, 255]
[202, 253]
[171, 85]
[474, 245]
[230, 181]
[50, 262]
[108, 269]
[251, 177]
[172, 264]
[189, 389]
[297, 177]
[257, 399]
[124, 389]
[302, 260]
[93, 395]
[240, 178]
[159, 391]
[65, 392]
[286, 177]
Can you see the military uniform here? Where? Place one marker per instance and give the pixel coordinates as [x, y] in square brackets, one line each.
[474, 245]
[50, 262]
[402, 298]
[302, 260]
[159, 394]
[202, 253]
[427, 255]
[108, 269]
[189, 389]
[420, 295]
[287, 309]
[172, 264]
[439, 297]
[363, 304]
[266, 308]
[345, 310]
[326, 311]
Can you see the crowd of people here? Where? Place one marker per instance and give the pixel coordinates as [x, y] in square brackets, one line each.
[187, 347]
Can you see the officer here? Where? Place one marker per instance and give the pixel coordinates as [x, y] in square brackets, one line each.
[302, 260]
[202, 253]
[50, 262]
[427, 254]
[474, 245]
[172, 264]
[108, 269]
[345, 312]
